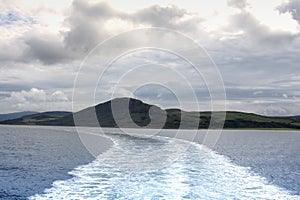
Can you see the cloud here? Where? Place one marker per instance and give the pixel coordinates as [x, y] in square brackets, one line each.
[12, 50]
[12, 87]
[255, 35]
[292, 7]
[86, 25]
[35, 99]
[89, 24]
[25, 40]
[256, 60]
[32, 47]
[273, 107]
[94, 10]
[276, 111]
[36, 95]
[11, 17]
[170, 16]
[47, 48]
[58, 96]
[241, 4]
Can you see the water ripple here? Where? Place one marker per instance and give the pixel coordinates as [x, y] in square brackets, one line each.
[197, 173]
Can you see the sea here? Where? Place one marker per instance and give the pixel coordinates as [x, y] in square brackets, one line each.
[40, 162]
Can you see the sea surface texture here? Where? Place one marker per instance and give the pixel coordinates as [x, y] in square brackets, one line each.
[135, 168]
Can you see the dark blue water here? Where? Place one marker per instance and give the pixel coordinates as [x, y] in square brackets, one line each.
[272, 154]
[31, 158]
[35, 158]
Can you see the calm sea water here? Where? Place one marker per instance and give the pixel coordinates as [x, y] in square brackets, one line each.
[51, 162]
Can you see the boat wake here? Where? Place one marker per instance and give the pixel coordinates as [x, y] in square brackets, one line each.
[196, 173]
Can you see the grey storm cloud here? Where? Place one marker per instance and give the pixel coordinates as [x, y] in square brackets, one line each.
[86, 28]
[85, 24]
[46, 48]
[293, 7]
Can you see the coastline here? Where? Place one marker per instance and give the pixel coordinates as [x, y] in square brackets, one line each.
[200, 129]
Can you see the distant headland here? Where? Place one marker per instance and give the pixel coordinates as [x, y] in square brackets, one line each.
[103, 115]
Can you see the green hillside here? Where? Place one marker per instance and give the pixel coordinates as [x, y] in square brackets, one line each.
[38, 118]
[102, 115]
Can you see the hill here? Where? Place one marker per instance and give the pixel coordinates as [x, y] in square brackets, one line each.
[139, 113]
[37, 118]
[15, 115]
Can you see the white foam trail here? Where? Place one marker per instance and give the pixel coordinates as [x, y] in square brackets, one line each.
[198, 174]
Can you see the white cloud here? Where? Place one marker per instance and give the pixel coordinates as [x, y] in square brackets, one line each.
[87, 23]
[254, 45]
[37, 95]
[292, 7]
[33, 95]
[36, 99]
[58, 96]
[241, 4]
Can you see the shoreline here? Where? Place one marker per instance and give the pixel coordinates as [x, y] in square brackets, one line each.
[184, 129]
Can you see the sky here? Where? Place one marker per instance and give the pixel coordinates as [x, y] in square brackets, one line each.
[51, 56]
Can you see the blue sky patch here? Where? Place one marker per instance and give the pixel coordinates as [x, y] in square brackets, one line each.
[12, 18]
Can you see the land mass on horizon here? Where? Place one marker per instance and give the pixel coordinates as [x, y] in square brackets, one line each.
[103, 115]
